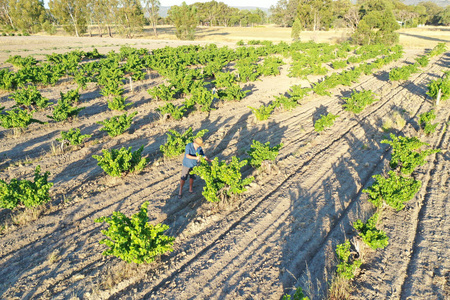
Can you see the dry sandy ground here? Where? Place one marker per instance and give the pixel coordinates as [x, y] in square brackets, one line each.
[280, 234]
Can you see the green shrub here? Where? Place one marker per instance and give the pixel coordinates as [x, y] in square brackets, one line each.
[345, 268]
[285, 102]
[116, 162]
[425, 122]
[423, 60]
[358, 101]
[63, 111]
[25, 192]
[395, 190]
[325, 121]
[298, 295]
[71, 96]
[321, 88]
[117, 125]
[271, 66]
[406, 153]
[21, 62]
[176, 142]
[438, 49]
[224, 79]
[261, 152]
[222, 180]
[203, 98]
[30, 96]
[263, 112]
[118, 103]
[176, 112]
[233, 93]
[17, 118]
[403, 73]
[373, 237]
[134, 239]
[112, 88]
[240, 43]
[73, 136]
[162, 92]
[442, 84]
[339, 64]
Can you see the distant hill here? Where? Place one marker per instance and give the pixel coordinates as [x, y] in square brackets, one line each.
[164, 9]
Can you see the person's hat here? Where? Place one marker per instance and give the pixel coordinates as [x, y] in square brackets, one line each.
[199, 142]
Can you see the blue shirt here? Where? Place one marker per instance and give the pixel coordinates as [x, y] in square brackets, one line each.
[190, 163]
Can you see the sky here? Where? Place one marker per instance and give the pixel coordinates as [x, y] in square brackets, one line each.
[257, 3]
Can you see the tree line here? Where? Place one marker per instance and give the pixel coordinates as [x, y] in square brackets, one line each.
[370, 21]
[326, 14]
[125, 17]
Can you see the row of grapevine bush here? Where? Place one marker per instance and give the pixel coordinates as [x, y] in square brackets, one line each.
[403, 73]
[346, 78]
[394, 190]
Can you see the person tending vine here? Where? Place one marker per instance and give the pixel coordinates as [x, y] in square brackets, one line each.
[192, 154]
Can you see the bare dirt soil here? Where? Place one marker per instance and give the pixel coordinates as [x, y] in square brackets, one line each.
[279, 235]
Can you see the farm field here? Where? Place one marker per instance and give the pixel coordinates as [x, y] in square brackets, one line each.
[279, 235]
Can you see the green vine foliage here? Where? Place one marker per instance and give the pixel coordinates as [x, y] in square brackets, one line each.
[134, 239]
[118, 103]
[271, 66]
[176, 112]
[370, 235]
[288, 103]
[425, 122]
[73, 136]
[339, 64]
[358, 101]
[395, 190]
[403, 73]
[406, 153]
[222, 180]
[233, 93]
[117, 125]
[71, 96]
[247, 70]
[325, 121]
[346, 268]
[298, 295]
[423, 60]
[263, 112]
[30, 96]
[162, 92]
[203, 98]
[442, 84]
[63, 111]
[438, 49]
[25, 192]
[260, 152]
[176, 142]
[224, 79]
[17, 118]
[117, 162]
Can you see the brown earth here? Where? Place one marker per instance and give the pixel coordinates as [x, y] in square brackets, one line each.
[279, 235]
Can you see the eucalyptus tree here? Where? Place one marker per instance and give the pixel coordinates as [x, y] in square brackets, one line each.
[71, 14]
[152, 8]
[184, 18]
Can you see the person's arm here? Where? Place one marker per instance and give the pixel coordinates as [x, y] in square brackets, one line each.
[204, 156]
[192, 157]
